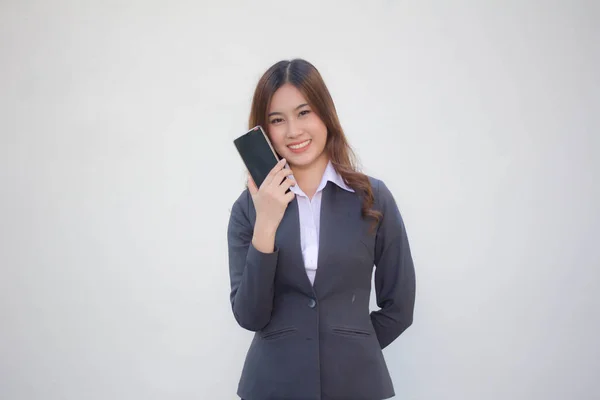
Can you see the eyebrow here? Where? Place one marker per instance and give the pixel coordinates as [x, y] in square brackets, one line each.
[278, 113]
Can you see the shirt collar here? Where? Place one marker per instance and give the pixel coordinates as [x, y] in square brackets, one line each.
[330, 175]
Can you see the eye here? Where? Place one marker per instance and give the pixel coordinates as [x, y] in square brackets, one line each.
[304, 112]
[276, 120]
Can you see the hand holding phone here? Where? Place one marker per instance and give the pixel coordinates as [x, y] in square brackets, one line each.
[269, 184]
[272, 197]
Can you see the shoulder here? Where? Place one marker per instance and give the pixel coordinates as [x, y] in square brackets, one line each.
[242, 199]
[241, 219]
[392, 222]
[242, 210]
[381, 193]
[243, 203]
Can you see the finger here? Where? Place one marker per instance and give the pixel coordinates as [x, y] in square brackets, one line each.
[278, 167]
[280, 176]
[251, 185]
[289, 196]
[286, 184]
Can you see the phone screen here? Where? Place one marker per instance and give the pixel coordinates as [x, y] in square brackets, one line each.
[257, 154]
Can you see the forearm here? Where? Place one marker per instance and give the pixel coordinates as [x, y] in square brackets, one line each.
[252, 265]
[263, 238]
[394, 275]
[391, 323]
[252, 301]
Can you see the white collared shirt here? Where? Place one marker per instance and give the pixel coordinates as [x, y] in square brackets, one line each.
[310, 218]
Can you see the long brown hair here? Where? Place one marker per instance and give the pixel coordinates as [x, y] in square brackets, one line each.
[307, 79]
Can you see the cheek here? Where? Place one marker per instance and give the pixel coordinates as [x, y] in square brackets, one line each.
[319, 130]
[276, 137]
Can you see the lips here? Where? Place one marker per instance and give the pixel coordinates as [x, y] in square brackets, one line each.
[299, 146]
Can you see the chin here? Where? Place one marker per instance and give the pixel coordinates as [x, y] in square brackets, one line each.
[302, 160]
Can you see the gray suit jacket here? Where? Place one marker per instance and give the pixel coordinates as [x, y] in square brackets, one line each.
[321, 342]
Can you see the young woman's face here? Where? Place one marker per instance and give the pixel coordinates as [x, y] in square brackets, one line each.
[296, 131]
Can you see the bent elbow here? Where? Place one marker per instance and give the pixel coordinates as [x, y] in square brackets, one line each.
[250, 320]
[388, 333]
[251, 324]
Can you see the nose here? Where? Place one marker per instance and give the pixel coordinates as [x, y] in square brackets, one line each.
[293, 129]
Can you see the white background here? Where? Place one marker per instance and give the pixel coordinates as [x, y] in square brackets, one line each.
[118, 172]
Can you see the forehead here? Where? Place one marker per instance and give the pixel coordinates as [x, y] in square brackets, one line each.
[286, 98]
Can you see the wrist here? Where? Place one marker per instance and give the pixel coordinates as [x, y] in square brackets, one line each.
[264, 228]
[263, 239]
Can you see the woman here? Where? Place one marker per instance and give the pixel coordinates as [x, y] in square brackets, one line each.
[301, 260]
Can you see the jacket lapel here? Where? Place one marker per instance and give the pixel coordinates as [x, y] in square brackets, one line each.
[338, 225]
[290, 248]
[329, 230]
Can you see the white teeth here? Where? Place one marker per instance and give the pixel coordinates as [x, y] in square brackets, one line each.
[300, 145]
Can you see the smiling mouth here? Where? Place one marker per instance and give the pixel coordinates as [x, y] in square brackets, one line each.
[300, 145]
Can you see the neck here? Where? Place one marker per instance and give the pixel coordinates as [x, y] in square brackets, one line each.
[309, 177]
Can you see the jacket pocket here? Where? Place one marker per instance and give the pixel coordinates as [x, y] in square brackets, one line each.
[352, 332]
[279, 333]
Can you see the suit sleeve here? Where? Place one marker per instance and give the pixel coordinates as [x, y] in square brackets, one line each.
[394, 273]
[251, 272]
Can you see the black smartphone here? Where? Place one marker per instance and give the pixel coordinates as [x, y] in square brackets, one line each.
[257, 153]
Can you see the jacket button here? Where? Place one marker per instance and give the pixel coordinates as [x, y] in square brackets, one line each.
[312, 303]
